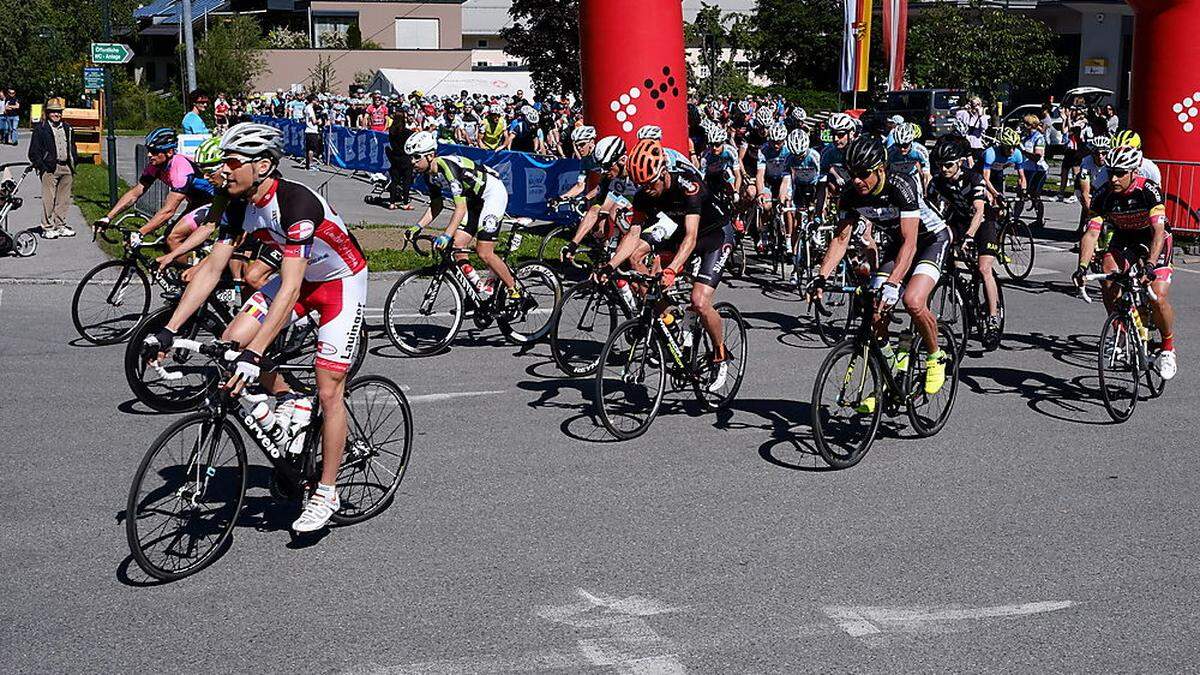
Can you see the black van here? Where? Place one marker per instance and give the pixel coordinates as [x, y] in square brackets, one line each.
[931, 108]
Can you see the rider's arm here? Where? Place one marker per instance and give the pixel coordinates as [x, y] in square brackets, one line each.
[628, 245]
[588, 221]
[738, 178]
[909, 226]
[460, 214]
[193, 241]
[169, 207]
[126, 200]
[785, 189]
[202, 285]
[1158, 225]
[279, 313]
[691, 224]
[987, 182]
[1087, 243]
[760, 178]
[976, 217]
[1022, 184]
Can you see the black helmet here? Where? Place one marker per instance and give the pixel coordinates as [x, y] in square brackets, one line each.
[865, 154]
[948, 149]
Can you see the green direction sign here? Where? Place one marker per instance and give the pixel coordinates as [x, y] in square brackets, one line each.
[111, 52]
[93, 78]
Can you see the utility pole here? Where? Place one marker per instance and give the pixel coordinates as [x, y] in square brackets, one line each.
[189, 47]
[106, 11]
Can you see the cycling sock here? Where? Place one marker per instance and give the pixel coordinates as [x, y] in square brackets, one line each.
[1169, 343]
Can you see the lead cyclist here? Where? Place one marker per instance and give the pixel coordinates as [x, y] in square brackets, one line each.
[323, 270]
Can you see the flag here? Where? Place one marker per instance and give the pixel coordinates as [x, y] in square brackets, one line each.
[895, 34]
[856, 45]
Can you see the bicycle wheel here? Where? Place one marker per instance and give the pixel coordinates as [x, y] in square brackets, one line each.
[928, 413]
[736, 267]
[109, 302]
[543, 293]
[839, 304]
[946, 303]
[551, 246]
[847, 404]
[194, 375]
[583, 323]
[378, 445]
[1017, 249]
[733, 329]
[1117, 366]
[1155, 384]
[186, 496]
[630, 381]
[424, 311]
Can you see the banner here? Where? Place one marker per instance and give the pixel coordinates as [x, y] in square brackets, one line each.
[529, 179]
[856, 45]
[895, 35]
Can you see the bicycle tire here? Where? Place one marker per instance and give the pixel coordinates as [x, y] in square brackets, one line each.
[946, 303]
[582, 305]
[1122, 328]
[415, 341]
[1155, 384]
[361, 453]
[542, 286]
[916, 400]
[731, 319]
[160, 395]
[631, 341]
[1017, 249]
[134, 503]
[132, 277]
[826, 433]
[841, 305]
[545, 249]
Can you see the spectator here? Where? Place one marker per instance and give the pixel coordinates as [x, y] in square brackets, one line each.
[1112, 123]
[312, 132]
[976, 120]
[524, 134]
[3, 118]
[221, 113]
[1076, 133]
[377, 113]
[52, 154]
[1033, 147]
[193, 123]
[12, 111]
[401, 170]
[495, 129]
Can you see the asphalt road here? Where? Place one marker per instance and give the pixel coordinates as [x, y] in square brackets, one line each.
[1030, 535]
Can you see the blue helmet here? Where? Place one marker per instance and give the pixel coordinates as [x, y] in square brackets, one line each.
[162, 139]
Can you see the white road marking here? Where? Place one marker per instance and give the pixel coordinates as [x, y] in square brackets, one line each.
[865, 621]
[851, 621]
[420, 398]
[626, 637]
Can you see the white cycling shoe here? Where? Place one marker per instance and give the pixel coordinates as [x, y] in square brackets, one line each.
[1166, 364]
[319, 508]
[719, 380]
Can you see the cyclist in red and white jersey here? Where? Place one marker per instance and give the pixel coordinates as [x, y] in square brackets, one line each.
[323, 271]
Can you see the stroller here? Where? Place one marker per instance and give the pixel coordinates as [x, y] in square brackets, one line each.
[24, 243]
[381, 190]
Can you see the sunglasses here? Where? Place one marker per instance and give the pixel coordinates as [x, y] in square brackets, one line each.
[841, 134]
[946, 166]
[862, 174]
[234, 163]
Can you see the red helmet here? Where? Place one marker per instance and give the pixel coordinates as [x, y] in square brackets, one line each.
[646, 162]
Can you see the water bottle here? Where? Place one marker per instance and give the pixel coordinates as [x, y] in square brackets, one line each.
[301, 416]
[902, 351]
[264, 417]
[515, 242]
[626, 294]
[473, 276]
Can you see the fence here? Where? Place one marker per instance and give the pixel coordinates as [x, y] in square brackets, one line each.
[153, 197]
[1181, 190]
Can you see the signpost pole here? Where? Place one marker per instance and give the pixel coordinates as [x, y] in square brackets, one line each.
[106, 11]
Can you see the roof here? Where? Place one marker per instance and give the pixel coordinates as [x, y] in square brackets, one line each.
[446, 82]
[168, 11]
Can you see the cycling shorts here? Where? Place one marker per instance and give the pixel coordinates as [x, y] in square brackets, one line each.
[485, 213]
[929, 260]
[713, 250]
[773, 184]
[1125, 249]
[339, 305]
[804, 194]
[987, 239]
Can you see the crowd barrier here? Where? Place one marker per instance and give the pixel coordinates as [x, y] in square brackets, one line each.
[1181, 190]
[530, 179]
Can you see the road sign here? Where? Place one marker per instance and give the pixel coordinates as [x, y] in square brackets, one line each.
[93, 78]
[111, 52]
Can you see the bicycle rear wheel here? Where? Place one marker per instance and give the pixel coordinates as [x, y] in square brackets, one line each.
[109, 302]
[186, 496]
[542, 292]
[847, 404]
[1155, 384]
[839, 303]
[378, 446]
[946, 303]
[581, 327]
[423, 311]
[1117, 366]
[195, 374]
[928, 413]
[733, 329]
[630, 381]
[1017, 249]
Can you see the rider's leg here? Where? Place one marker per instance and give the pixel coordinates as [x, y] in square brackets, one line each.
[487, 253]
[495, 201]
[331, 389]
[989, 283]
[916, 302]
[242, 330]
[702, 295]
[1110, 291]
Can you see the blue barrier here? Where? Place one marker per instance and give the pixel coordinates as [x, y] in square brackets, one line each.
[529, 179]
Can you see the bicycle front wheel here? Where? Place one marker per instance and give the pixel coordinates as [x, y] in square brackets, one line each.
[424, 311]
[713, 390]
[109, 302]
[630, 381]
[847, 404]
[1017, 249]
[191, 375]
[186, 496]
[1117, 366]
[581, 327]
[542, 293]
[835, 327]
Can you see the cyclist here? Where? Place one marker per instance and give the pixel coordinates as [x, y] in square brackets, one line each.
[751, 138]
[675, 217]
[996, 159]
[612, 193]
[722, 170]
[841, 128]
[804, 168]
[323, 270]
[774, 180]
[964, 201]
[480, 200]
[1130, 139]
[188, 188]
[583, 139]
[906, 156]
[651, 131]
[913, 254]
[1133, 206]
[1088, 173]
[525, 134]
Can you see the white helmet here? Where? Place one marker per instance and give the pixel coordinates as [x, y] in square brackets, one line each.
[799, 114]
[798, 142]
[744, 106]
[764, 115]
[532, 116]
[840, 122]
[420, 143]
[608, 150]
[777, 133]
[583, 134]
[650, 131]
[253, 140]
[717, 135]
[904, 134]
[1124, 158]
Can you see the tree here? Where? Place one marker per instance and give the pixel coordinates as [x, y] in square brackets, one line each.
[545, 33]
[798, 42]
[229, 57]
[322, 77]
[714, 33]
[354, 36]
[985, 50]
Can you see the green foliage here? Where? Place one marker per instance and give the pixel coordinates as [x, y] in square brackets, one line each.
[714, 33]
[798, 43]
[322, 77]
[946, 49]
[282, 37]
[545, 33]
[137, 107]
[229, 56]
[354, 39]
[812, 100]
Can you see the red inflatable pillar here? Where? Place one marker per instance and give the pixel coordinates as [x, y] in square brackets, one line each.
[1165, 103]
[631, 58]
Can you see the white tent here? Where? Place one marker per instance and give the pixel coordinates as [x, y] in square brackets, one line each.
[444, 82]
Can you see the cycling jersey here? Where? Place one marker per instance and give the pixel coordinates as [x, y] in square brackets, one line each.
[912, 162]
[958, 195]
[493, 132]
[897, 197]
[1129, 210]
[589, 169]
[619, 189]
[718, 163]
[806, 168]
[460, 178]
[180, 175]
[752, 140]
[774, 160]
[833, 162]
[299, 223]
[525, 135]
[996, 162]
[686, 196]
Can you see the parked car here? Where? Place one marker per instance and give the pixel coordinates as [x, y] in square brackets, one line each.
[1079, 97]
[931, 108]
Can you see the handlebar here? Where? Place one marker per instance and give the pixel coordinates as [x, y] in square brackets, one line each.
[1128, 277]
[227, 352]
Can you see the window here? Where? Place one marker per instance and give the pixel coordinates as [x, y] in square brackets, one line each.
[481, 43]
[418, 34]
[329, 30]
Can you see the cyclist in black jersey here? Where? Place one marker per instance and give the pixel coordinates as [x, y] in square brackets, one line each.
[913, 252]
[674, 217]
[612, 193]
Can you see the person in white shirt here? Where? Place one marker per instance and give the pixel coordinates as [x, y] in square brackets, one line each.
[976, 120]
[312, 132]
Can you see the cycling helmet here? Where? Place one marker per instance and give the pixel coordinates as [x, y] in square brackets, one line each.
[777, 133]
[948, 149]
[161, 140]
[1124, 158]
[916, 128]
[840, 122]
[1008, 137]
[253, 140]
[799, 114]
[583, 134]
[717, 135]
[1100, 143]
[647, 161]
[208, 155]
[797, 142]
[765, 116]
[865, 154]
[609, 150]
[960, 126]
[496, 109]
[1127, 138]
[904, 134]
[532, 116]
[420, 143]
[650, 131]
[744, 107]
